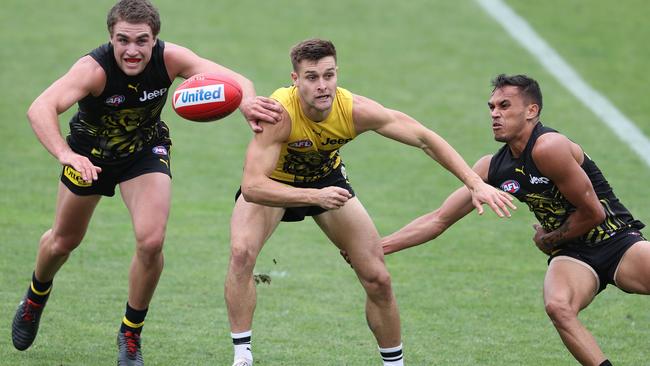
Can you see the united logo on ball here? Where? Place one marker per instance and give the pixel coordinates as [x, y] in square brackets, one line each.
[206, 97]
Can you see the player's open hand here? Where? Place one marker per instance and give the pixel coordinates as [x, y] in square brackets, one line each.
[498, 200]
[332, 198]
[87, 170]
[260, 109]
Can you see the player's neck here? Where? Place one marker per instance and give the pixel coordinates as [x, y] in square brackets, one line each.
[518, 143]
[314, 114]
[517, 148]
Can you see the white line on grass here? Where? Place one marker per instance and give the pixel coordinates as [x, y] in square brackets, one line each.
[521, 31]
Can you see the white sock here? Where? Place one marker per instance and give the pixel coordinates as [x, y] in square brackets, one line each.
[242, 343]
[392, 356]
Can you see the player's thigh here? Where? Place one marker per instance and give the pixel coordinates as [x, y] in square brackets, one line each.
[252, 224]
[633, 273]
[147, 198]
[351, 229]
[73, 213]
[569, 281]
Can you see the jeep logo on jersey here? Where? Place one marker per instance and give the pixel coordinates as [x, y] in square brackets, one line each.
[331, 141]
[510, 186]
[200, 95]
[115, 100]
[539, 180]
[301, 143]
[151, 95]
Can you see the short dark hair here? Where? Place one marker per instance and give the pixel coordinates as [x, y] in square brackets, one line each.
[311, 49]
[134, 11]
[528, 87]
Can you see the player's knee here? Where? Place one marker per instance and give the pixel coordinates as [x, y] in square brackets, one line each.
[242, 258]
[60, 245]
[150, 245]
[560, 311]
[378, 284]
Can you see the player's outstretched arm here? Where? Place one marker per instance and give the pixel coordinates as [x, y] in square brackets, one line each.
[370, 115]
[430, 226]
[261, 158]
[183, 62]
[84, 77]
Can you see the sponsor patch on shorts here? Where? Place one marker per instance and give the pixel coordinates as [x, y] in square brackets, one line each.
[75, 177]
[159, 150]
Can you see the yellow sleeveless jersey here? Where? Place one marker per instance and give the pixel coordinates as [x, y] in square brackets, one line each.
[312, 150]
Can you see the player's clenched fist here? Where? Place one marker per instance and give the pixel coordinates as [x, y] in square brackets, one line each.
[88, 171]
[332, 197]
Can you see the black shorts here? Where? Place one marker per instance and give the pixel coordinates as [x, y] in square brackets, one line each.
[605, 257]
[337, 178]
[149, 160]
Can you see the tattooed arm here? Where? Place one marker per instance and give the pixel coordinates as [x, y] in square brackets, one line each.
[560, 160]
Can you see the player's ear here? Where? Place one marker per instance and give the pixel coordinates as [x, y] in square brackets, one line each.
[532, 111]
[294, 77]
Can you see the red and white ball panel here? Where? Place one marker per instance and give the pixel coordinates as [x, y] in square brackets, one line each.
[206, 97]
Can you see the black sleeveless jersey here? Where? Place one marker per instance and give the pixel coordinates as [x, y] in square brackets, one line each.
[125, 118]
[521, 178]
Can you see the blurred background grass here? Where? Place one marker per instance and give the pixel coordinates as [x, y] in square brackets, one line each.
[472, 297]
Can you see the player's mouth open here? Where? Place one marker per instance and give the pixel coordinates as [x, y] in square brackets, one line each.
[132, 60]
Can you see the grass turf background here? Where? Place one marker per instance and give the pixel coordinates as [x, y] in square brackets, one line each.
[472, 297]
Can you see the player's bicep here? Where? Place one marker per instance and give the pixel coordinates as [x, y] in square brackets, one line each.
[261, 156]
[370, 115]
[575, 186]
[403, 128]
[183, 62]
[264, 149]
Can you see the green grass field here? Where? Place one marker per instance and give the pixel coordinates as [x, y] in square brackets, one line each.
[472, 297]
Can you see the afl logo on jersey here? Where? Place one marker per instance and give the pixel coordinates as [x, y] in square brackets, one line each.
[159, 150]
[510, 186]
[301, 143]
[115, 100]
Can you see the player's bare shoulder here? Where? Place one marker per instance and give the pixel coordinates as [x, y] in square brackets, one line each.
[551, 145]
[554, 154]
[278, 132]
[482, 166]
[368, 114]
[180, 60]
[85, 75]
[173, 51]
